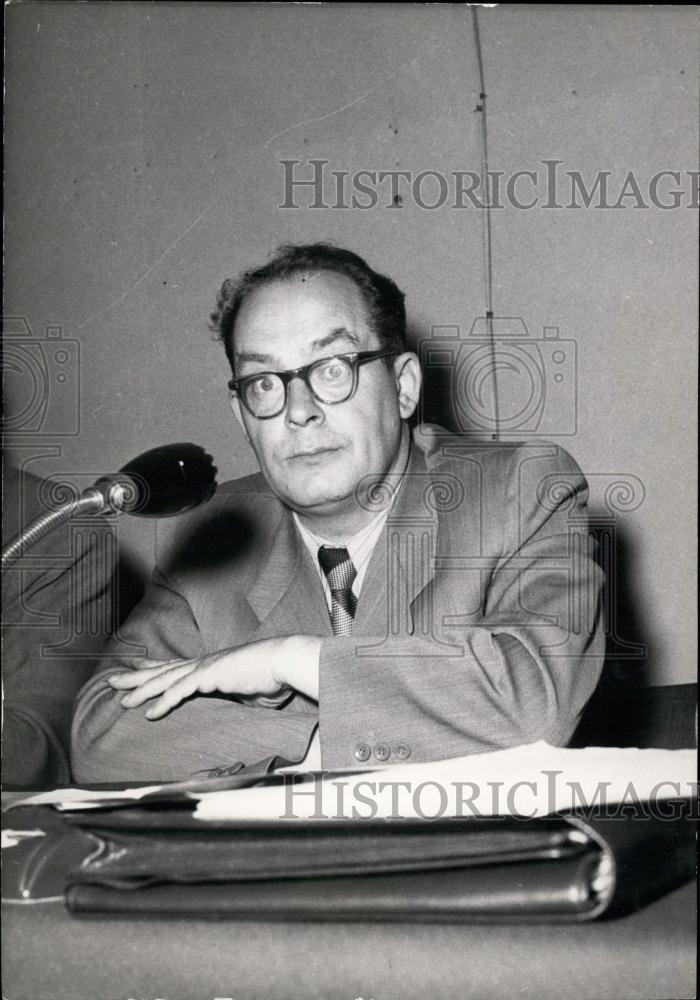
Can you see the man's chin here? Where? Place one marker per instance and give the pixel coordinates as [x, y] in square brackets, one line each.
[317, 501]
[320, 481]
[317, 494]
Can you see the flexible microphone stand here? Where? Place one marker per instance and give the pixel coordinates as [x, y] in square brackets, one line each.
[162, 482]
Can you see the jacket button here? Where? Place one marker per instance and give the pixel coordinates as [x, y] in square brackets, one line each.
[402, 751]
[361, 752]
[382, 751]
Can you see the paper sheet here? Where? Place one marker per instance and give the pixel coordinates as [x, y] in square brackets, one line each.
[531, 780]
[66, 799]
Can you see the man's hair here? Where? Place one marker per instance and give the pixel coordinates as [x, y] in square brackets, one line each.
[383, 299]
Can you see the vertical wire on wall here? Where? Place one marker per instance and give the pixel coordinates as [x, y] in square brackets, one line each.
[487, 235]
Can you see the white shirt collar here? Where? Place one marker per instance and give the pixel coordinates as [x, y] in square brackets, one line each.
[360, 546]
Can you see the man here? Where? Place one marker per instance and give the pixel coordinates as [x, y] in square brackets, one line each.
[56, 617]
[372, 595]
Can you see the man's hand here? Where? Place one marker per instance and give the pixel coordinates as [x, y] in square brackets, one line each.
[260, 670]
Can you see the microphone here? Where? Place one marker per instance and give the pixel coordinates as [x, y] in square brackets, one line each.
[162, 482]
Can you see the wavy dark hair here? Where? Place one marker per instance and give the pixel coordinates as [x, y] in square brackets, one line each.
[382, 297]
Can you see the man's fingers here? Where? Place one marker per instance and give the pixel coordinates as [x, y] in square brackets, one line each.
[135, 678]
[177, 692]
[157, 684]
[172, 682]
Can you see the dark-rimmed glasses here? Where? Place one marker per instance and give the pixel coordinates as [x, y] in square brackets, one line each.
[330, 381]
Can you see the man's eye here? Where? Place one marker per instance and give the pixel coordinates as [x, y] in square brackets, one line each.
[333, 371]
[264, 384]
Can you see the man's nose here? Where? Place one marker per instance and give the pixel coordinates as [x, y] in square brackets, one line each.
[302, 406]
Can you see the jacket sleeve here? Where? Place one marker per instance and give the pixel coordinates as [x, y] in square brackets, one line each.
[518, 670]
[56, 619]
[110, 743]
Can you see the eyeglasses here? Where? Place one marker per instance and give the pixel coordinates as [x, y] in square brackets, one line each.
[330, 380]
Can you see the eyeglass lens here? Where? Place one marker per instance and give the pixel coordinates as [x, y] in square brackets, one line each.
[330, 381]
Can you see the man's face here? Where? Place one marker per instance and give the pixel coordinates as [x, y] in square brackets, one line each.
[313, 454]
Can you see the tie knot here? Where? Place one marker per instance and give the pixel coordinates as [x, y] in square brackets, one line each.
[338, 567]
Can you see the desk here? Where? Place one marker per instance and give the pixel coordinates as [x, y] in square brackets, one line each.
[48, 955]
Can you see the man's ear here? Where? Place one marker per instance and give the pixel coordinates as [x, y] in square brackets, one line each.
[235, 404]
[408, 382]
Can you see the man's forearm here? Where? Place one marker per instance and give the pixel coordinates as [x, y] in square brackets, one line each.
[122, 730]
[111, 743]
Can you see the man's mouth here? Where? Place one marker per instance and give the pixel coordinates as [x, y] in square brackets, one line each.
[312, 452]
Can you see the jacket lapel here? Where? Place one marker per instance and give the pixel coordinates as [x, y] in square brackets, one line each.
[287, 595]
[402, 564]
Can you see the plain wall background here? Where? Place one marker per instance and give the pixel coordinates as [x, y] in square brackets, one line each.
[142, 167]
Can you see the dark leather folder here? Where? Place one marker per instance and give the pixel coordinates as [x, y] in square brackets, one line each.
[570, 867]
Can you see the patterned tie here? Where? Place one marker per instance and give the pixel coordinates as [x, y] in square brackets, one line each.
[338, 567]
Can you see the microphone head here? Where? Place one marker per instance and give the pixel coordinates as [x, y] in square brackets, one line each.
[162, 482]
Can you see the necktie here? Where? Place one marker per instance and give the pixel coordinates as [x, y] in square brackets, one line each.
[340, 572]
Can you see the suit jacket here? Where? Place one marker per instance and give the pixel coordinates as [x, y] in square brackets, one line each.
[478, 625]
[56, 618]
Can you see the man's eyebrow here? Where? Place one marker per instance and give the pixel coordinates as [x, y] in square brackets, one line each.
[340, 333]
[263, 359]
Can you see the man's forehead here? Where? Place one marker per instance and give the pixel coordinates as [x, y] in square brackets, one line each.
[319, 290]
[309, 309]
